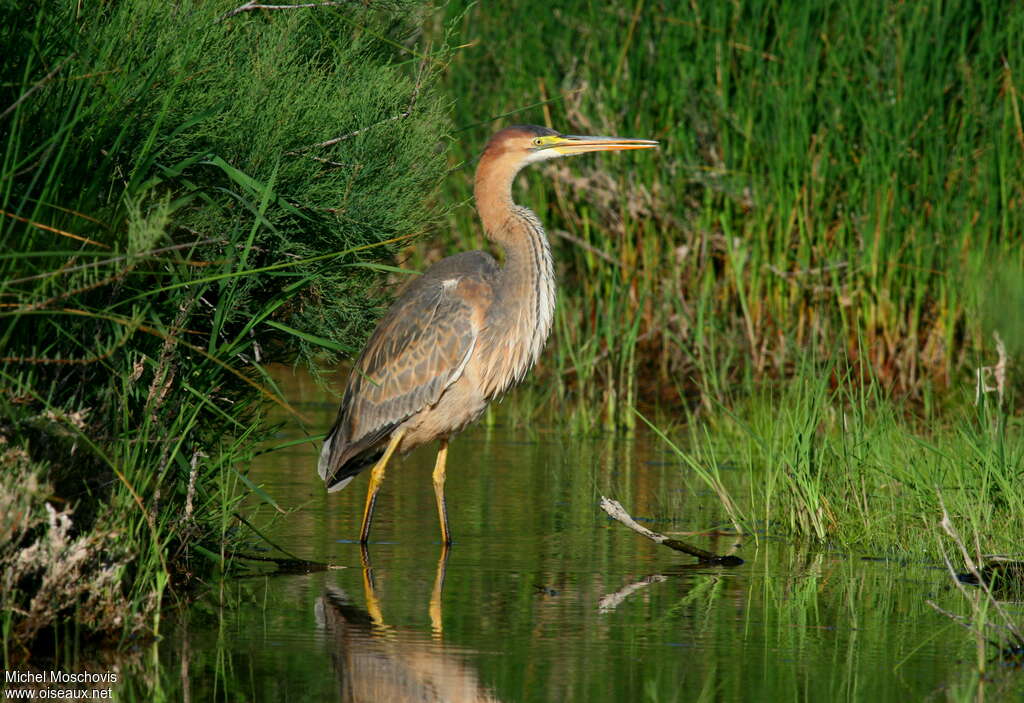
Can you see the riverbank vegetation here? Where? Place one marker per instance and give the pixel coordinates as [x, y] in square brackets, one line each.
[849, 468]
[836, 180]
[186, 195]
[815, 289]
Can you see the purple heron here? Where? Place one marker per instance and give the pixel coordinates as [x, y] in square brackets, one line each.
[459, 335]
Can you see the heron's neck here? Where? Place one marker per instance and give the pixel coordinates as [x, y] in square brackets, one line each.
[524, 300]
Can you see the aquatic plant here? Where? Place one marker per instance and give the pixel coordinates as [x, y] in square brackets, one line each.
[842, 464]
[186, 196]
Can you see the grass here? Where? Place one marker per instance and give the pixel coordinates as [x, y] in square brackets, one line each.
[184, 199]
[846, 468]
[800, 289]
[835, 179]
[803, 289]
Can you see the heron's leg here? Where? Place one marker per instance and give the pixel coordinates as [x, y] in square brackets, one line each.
[442, 509]
[436, 624]
[376, 479]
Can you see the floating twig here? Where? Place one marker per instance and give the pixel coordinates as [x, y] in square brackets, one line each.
[973, 568]
[287, 566]
[615, 510]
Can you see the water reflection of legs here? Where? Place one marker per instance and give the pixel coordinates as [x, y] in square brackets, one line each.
[373, 602]
[436, 624]
[370, 592]
[375, 663]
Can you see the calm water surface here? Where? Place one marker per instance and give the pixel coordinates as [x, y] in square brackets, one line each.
[542, 598]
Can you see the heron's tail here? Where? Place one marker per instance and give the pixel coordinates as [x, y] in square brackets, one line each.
[323, 466]
[340, 461]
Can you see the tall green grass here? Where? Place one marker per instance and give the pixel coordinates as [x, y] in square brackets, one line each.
[821, 260]
[185, 197]
[819, 461]
[836, 178]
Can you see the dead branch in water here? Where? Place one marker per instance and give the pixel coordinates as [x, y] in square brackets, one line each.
[615, 510]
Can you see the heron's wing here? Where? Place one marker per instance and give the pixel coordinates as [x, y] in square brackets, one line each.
[419, 348]
[417, 351]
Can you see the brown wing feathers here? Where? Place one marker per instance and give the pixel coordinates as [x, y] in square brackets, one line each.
[417, 350]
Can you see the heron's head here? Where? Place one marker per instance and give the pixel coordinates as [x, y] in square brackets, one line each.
[519, 145]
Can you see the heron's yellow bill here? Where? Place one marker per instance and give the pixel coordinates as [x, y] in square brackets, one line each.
[575, 144]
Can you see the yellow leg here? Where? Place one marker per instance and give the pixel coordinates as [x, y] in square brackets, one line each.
[370, 593]
[376, 479]
[442, 509]
[436, 624]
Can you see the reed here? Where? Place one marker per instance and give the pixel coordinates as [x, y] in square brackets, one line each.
[820, 462]
[836, 179]
[185, 197]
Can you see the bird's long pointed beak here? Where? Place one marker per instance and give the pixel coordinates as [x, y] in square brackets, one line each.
[574, 144]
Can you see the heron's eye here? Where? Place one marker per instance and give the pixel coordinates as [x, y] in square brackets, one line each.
[538, 141]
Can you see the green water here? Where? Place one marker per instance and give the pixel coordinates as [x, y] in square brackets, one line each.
[545, 599]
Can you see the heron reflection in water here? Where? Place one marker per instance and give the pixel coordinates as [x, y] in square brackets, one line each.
[459, 335]
[375, 662]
